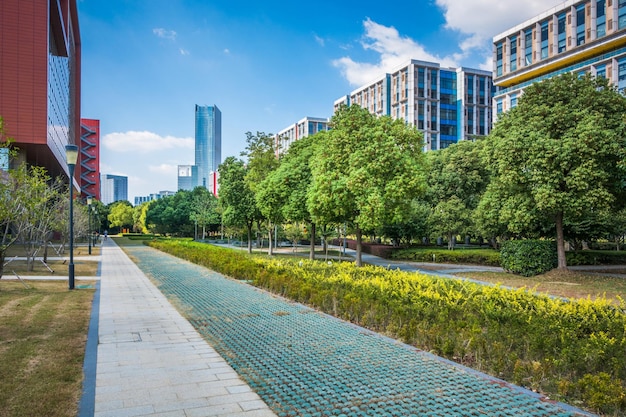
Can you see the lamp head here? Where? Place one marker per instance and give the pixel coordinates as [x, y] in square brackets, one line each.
[71, 154]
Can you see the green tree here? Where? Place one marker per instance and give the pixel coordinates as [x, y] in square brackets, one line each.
[261, 153]
[413, 226]
[236, 198]
[171, 214]
[282, 195]
[366, 171]
[560, 152]
[456, 176]
[121, 215]
[204, 210]
[450, 217]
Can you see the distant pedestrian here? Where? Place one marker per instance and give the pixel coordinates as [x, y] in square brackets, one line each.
[106, 234]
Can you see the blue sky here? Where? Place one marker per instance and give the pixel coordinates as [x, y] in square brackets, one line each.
[146, 63]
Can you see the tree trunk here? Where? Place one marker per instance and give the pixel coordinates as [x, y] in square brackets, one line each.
[359, 238]
[2, 256]
[312, 247]
[560, 242]
[249, 237]
[270, 248]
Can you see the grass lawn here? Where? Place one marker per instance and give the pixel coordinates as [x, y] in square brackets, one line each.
[43, 331]
[83, 266]
[571, 284]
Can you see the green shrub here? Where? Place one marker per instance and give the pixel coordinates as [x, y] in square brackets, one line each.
[528, 257]
[596, 257]
[461, 256]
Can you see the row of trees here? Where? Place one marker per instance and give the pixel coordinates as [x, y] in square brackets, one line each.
[553, 167]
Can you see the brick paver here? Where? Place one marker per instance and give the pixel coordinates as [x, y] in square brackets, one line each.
[305, 363]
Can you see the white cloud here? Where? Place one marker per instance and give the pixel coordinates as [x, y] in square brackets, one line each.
[477, 21]
[183, 51]
[393, 50]
[319, 40]
[166, 169]
[227, 51]
[481, 20]
[164, 33]
[143, 142]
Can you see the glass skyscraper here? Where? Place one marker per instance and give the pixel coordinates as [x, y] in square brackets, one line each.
[208, 143]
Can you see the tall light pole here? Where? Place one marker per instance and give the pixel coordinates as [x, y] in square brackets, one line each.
[71, 155]
[89, 222]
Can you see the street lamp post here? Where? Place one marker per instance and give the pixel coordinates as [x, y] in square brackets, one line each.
[71, 155]
[89, 222]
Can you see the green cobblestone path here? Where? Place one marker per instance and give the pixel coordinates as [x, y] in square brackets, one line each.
[306, 363]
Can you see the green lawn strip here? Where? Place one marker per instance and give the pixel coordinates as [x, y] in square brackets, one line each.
[42, 342]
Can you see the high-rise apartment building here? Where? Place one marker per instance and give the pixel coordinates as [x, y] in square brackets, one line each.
[302, 128]
[40, 80]
[208, 142]
[446, 104]
[113, 188]
[575, 36]
[89, 158]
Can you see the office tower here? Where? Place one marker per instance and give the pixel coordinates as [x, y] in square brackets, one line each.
[113, 188]
[446, 104]
[208, 142]
[40, 80]
[575, 36]
[187, 175]
[89, 158]
[302, 128]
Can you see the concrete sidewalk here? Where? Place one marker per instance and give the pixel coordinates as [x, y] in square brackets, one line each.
[150, 360]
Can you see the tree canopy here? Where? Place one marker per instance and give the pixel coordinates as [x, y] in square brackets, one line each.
[559, 155]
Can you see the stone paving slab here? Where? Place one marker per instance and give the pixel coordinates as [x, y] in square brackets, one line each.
[305, 363]
[151, 361]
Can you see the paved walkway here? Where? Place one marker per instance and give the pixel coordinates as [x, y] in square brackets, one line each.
[152, 362]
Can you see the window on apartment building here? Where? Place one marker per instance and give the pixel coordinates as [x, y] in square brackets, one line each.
[482, 90]
[580, 24]
[499, 59]
[601, 71]
[621, 74]
[528, 46]
[499, 108]
[561, 33]
[600, 18]
[447, 98]
[513, 100]
[544, 40]
[482, 129]
[513, 60]
[448, 114]
[469, 98]
[621, 12]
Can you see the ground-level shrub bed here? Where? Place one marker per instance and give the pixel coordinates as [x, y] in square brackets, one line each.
[570, 350]
[461, 256]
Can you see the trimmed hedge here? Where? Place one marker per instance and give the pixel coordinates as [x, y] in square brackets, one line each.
[528, 257]
[572, 350]
[596, 257]
[488, 257]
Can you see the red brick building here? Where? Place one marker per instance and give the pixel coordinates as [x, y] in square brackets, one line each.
[40, 76]
[89, 158]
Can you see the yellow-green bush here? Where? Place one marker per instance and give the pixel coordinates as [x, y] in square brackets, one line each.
[532, 340]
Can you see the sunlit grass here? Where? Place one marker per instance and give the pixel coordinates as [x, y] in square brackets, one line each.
[43, 331]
